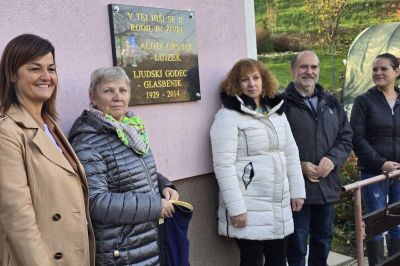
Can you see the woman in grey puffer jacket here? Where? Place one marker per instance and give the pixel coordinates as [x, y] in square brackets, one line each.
[124, 186]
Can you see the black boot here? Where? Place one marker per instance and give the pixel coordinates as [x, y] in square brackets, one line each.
[393, 245]
[375, 252]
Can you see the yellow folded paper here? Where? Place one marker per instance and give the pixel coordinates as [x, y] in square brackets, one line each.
[183, 204]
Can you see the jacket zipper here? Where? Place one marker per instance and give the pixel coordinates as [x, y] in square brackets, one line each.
[317, 150]
[156, 223]
[283, 188]
[394, 133]
[245, 137]
[393, 124]
[148, 175]
[316, 133]
[227, 222]
[315, 116]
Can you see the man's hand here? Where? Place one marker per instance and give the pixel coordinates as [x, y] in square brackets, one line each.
[297, 204]
[239, 220]
[310, 171]
[325, 166]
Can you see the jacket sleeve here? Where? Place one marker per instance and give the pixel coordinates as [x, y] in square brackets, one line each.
[17, 215]
[294, 173]
[343, 142]
[108, 207]
[164, 182]
[362, 148]
[224, 142]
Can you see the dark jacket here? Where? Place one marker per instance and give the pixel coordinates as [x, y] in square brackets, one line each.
[327, 134]
[376, 130]
[124, 194]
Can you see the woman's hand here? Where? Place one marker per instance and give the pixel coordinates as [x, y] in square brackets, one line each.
[239, 220]
[390, 166]
[297, 204]
[170, 194]
[167, 209]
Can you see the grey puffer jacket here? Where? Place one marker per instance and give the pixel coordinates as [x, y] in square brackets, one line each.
[124, 194]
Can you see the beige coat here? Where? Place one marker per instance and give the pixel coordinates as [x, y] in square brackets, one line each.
[44, 216]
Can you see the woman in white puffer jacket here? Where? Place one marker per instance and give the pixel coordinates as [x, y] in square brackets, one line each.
[256, 163]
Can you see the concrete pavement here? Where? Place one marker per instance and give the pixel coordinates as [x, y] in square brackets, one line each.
[336, 259]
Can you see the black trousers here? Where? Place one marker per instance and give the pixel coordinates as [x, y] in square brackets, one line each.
[252, 252]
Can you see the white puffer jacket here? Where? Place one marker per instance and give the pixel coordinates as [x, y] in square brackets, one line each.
[256, 163]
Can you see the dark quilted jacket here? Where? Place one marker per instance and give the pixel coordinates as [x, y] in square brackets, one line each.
[124, 194]
[376, 130]
[326, 134]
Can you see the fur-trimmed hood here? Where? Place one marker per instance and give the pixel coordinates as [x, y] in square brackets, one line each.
[244, 104]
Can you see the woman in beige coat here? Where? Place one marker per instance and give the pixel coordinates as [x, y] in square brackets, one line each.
[43, 190]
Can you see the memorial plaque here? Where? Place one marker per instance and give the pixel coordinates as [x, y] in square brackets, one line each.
[157, 47]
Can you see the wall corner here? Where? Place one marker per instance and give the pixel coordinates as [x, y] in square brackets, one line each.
[250, 21]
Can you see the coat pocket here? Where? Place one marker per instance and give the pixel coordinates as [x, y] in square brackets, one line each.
[248, 174]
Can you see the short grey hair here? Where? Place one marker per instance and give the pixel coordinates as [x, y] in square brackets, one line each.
[107, 74]
[294, 59]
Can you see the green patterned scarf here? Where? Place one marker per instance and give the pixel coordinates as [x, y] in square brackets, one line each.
[130, 130]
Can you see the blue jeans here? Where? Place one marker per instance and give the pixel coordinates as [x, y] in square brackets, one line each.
[375, 197]
[316, 220]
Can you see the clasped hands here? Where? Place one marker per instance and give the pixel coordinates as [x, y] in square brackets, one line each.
[167, 208]
[314, 172]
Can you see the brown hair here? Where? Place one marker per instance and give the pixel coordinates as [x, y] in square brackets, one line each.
[19, 51]
[394, 61]
[231, 84]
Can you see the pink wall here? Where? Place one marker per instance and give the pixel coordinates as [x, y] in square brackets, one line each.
[179, 132]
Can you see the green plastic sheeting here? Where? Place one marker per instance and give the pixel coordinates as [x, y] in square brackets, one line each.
[370, 43]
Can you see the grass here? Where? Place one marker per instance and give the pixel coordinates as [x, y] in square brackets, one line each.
[293, 17]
